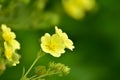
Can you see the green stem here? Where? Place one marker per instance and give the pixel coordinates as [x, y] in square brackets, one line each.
[37, 58]
[39, 77]
[32, 66]
[33, 77]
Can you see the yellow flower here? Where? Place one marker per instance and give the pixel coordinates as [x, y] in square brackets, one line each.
[56, 43]
[73, 10]
[7, 34]
[8, 51]
[77, 8]
[86, 4]
[67, 42]
[10, 44]
[52, 44]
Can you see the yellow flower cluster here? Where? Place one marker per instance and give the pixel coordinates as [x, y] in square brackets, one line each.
[77, 8]
[56, 43]
[10, 45]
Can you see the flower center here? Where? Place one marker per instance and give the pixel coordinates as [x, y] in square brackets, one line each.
[51, 47]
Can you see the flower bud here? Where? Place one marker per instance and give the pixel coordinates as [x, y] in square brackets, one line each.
[40, 70]
[59, 68]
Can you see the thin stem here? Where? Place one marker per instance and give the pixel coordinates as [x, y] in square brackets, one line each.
[37, 58]
[40, 54]
[43, 76]
[40, 77]
[33, 77]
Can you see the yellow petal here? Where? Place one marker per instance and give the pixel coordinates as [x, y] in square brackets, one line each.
[5, 28]
[56, 54]
[67, 42]
[15, 44]
[45, 41]
[8, 51]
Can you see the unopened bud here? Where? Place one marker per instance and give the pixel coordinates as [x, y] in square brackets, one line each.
[40, 70]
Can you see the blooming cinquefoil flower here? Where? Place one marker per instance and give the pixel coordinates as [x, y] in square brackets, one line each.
[56, 43]
[10, 44]
[52, 44]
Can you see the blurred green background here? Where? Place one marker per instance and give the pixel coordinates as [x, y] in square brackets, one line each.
[96, 37]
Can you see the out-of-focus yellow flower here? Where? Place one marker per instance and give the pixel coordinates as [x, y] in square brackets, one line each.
[56, 43]
[10, 44]
[77, 8]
